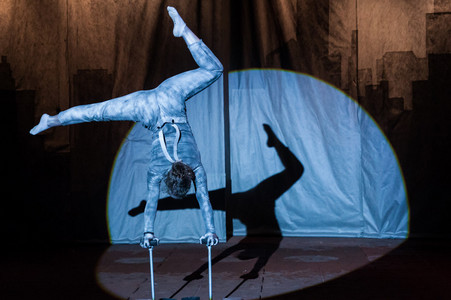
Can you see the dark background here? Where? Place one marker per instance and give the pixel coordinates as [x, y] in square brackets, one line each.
[56, 54]
[55, 184]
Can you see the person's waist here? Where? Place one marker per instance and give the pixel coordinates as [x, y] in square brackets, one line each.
[171, 120]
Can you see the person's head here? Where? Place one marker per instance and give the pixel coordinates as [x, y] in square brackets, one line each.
[178, 180]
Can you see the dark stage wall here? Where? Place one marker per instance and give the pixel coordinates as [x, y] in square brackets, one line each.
[392, 56]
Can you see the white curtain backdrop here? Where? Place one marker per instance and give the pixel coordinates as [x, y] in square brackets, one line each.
[350, 184]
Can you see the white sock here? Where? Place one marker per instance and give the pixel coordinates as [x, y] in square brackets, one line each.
[43, 125]
[179, 24]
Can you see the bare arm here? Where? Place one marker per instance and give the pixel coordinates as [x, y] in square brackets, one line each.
[150, 211]
[205, 206]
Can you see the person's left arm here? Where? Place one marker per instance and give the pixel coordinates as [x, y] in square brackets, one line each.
[205, 206]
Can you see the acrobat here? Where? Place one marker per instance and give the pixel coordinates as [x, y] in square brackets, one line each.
[162, 111]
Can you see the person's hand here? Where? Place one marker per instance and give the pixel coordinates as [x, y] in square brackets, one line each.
[210, 239]
[146, 240]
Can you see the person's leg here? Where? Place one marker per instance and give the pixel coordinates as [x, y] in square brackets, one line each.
[125, 108]
[189, 83]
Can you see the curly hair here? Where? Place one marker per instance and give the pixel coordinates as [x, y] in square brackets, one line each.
[178, 179]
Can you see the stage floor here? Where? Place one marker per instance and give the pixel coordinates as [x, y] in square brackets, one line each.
[281, 266]
[247, 268]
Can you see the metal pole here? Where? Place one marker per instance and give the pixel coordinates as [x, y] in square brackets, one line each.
[152, 286]
[210, 292]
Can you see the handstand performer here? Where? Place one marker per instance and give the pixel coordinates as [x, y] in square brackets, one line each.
[162, 111]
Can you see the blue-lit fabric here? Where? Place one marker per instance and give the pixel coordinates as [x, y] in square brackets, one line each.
[351, 185]
[157, 109]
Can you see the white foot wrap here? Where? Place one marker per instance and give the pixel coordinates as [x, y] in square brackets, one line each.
[43, 125]
[179, 24]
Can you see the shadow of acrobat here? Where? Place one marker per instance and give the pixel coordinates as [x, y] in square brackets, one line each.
[255, 208]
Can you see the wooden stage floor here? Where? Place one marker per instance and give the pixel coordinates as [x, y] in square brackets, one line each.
[244, 268]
